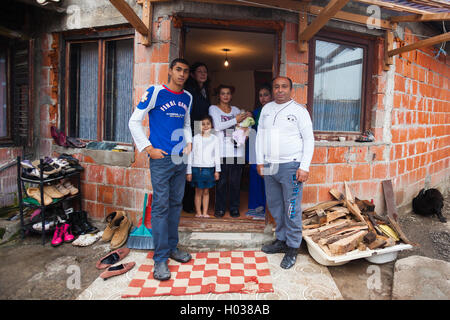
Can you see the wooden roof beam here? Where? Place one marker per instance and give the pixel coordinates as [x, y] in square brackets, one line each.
[394, 6]
[420, 44]
[423, 17]
[327, 13]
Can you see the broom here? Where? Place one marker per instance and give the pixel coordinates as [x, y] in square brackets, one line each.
[141, 237]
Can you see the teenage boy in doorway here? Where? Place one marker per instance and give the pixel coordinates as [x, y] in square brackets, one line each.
[168, 108]
[284, 149]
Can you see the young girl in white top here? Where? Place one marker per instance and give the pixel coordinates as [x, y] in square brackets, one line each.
[203, 166]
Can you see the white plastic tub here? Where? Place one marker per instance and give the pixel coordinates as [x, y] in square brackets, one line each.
[377, 256]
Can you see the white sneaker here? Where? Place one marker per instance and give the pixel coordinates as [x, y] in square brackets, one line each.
[87, 239]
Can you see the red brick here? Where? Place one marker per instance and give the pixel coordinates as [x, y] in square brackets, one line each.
[324, 194]
[115, 176]
[135, 178]
[105, 194]
[95, 173]
[337, 154]
[320, 155]
[297, 72]
[163, 73]
[89, 191]
[342, 173]
[291, 31]
[160, 52]
[376, 153]
[309, 194]
[125, 198]
[361, 172]
[293, 55]
[317, 174]
[380, 171]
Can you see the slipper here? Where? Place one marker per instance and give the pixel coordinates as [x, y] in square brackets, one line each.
[52, 192]
[36, 194]
[75, 142]
[70, 187]
[62, 189]
[62, 139]
[112, 258]
[87, 239]
[117, 270]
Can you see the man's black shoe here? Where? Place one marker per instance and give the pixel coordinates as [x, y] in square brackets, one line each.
[219, 214]
[277, 246]
[161, 271]
[189, 210]
[289, 258]
[235, 213]
[180, 256]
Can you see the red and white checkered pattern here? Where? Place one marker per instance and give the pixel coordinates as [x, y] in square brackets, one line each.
[216, 272]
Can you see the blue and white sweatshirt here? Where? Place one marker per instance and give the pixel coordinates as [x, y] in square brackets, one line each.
[168, 120]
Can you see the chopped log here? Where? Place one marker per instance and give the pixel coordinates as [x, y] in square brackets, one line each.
[348, 194]
[349, 226]
[354, 209]
[347, 244]
[328, 226]
[362, 246]
[326, 250]
[311, 226]
[322, 216]
[376, 244]
[333, 215]
[333, 238]
[323, 205]
[370, 237]
[389, 243]
[336, 194]
[369, 224]
[309, 221]
[339, 208]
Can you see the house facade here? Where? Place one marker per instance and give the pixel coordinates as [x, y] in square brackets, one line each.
[89, 63]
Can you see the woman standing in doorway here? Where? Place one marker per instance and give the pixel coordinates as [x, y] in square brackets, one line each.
[225, 117]
[198, 86]
[257, 194]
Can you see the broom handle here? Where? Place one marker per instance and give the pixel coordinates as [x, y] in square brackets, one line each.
[145, 207]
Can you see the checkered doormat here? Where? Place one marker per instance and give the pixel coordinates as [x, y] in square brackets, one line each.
[215, 272]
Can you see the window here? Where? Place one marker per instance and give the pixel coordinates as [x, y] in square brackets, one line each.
[100, 89]
[15, 92]
[339, 80]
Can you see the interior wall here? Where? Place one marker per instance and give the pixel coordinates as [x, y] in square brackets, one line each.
[243, 82]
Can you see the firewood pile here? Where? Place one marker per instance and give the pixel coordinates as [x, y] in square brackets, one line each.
[348, 223]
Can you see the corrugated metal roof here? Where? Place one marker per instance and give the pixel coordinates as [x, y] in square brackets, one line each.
[430, 5]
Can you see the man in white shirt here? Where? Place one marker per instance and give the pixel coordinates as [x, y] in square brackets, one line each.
[284, 150]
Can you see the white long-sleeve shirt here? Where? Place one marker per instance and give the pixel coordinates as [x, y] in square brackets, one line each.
[285, 134]
[224, 125]
[205, 153]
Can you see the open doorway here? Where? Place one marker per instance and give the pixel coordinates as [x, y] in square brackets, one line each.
[253, 60]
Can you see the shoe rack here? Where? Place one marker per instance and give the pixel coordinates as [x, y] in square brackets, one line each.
[41, 182]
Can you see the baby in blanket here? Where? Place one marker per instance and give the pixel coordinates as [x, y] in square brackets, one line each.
[242, 131]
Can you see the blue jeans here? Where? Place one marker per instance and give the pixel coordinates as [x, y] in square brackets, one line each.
[284, 197]
[168, 181]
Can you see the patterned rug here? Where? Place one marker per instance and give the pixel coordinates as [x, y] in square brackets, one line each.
[207, 272]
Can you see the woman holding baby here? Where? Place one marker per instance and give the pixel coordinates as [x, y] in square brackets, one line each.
[225, 120]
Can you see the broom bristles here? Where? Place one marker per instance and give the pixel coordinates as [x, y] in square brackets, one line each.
[140, 242]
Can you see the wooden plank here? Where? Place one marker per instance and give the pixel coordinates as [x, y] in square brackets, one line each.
[394, 6]
[335, 237]
[336, 194]
[422, 17]
[124, 8]
[302, 25]
[327, 13]
[392, 214]
[376, 244]
[323, 205]
[421, 44]
[348, 226]
[333, 215]
[336, 223]
[147, 17]
[347, 244]
[370, 237]
[322, 216]
[347, 193]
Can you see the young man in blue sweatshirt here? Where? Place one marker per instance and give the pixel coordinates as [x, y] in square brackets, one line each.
[168, 109]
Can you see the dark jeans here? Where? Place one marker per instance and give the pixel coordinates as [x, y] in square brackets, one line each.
[229, 185]
[188, 199]
[168, 181]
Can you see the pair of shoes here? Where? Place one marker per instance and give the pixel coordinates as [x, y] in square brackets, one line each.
[35, 193]
[62, 234]
[87, 239]
[234, 213]
[180, 256]
[161, 271]
[117, 229]
[112, 258]
[289, 258]
[117, 270]
[219, 214]
[276, 246]
[53, 192]
[80, 223]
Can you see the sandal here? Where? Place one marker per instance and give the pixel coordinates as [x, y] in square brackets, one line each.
[112, 258]
[61, 189]
[36, 194]
[70, 187]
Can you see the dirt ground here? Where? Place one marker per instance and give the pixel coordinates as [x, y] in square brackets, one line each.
[29, 270]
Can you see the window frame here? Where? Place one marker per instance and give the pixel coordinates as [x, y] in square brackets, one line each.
[8, 139]
[101, 38]
[351, 39]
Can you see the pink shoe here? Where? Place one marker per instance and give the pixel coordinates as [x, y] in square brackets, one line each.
[58, 236]
[67, 233]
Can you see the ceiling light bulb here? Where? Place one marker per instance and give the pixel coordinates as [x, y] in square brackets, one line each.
[226, 63]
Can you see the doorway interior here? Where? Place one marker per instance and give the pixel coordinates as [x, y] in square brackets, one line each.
[252, 57]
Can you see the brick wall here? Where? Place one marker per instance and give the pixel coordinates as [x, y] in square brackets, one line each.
[413, 150]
